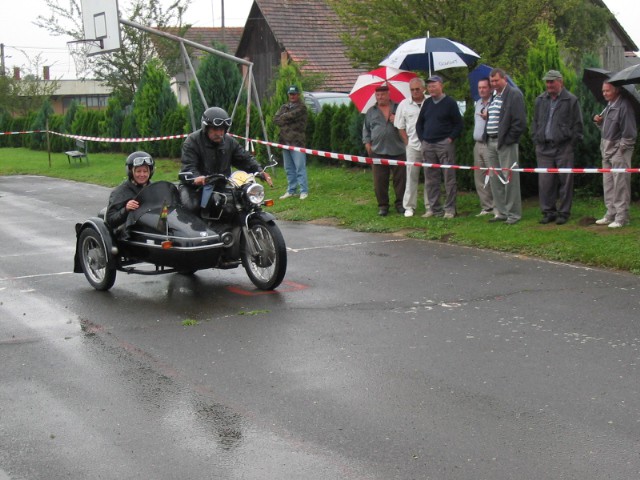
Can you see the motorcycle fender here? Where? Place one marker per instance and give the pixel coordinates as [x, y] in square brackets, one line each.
[108, 243]
[265, 216]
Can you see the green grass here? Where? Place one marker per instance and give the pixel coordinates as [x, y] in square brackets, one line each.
[343, 196]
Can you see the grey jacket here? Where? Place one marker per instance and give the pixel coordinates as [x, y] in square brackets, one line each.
[381, 133]
[619, 127]
[513, 117]
[566, 122]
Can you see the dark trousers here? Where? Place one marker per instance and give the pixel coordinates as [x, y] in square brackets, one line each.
[381, 175]
[555, 190]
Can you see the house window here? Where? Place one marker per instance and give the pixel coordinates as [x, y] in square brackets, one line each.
[90, 101]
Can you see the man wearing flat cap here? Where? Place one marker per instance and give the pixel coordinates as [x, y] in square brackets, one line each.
[382, 140]
[555, 130]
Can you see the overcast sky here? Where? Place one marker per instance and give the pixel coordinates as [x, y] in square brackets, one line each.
[17, 31]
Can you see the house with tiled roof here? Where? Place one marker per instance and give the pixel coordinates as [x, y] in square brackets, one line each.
[304, 31]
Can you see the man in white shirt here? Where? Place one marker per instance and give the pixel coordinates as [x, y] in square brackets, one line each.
[405, 122]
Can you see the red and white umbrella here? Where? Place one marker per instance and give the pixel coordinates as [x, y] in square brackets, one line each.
[363, 93]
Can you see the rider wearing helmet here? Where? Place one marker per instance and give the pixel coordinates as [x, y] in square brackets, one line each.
[139, 167]
[209, 151]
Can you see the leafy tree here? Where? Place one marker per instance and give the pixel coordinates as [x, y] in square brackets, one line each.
[152, 102]
[114, 120]
[26, 95]
[174, 123]
[120, 70]
[220, 81]
[498, 30]
[38, 141]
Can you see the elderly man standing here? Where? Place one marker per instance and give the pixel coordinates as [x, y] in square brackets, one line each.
[506, 122]
[405, 122]
[556, 129]
[480, 154]
[439, 124]
[382, 140]
[619, 131]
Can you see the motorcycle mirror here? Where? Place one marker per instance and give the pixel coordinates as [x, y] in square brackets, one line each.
[272, 161]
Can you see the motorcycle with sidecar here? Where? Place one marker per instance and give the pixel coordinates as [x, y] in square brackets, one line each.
[162, 236]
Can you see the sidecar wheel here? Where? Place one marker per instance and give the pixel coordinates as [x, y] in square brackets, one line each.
[266, 269]
[94, 260]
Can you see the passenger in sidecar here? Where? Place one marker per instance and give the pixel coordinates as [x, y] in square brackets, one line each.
[139, 167]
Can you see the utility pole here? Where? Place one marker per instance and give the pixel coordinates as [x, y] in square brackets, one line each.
[222, 20]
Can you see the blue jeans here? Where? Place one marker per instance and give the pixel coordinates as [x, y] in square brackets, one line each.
[295, 164]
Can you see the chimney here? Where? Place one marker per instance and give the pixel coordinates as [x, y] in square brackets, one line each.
[45, 73]
[16, 73]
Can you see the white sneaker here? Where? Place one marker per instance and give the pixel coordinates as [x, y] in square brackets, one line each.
[303, 196]
[449, 215]
[603, 221]
[408, 212]
[616, 225]
[428, 214]
[286, 195]
[485, 212]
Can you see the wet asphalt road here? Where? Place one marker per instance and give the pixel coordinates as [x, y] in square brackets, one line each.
[378, 358]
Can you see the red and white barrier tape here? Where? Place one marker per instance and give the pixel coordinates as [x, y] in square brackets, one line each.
[120, 140]
[21, 132]
[384, 161]
[345, 157]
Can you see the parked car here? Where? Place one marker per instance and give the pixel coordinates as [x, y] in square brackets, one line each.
[316, 100]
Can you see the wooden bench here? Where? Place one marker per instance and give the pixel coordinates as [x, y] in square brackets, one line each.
[78, 154]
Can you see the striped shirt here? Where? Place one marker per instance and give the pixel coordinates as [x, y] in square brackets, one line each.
[494, 115]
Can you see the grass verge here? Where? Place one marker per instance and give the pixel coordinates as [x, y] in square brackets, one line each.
[343, 197]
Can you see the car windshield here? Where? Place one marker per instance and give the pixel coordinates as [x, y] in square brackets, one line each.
[334, 101]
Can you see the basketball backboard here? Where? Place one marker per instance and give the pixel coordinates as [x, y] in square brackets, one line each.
[101, 23]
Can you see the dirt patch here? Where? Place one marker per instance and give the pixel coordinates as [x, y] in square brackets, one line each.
[586, 221]
[326, 222]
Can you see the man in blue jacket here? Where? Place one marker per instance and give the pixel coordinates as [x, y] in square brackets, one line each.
[439, 124]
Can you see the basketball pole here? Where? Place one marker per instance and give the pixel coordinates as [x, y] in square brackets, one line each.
[213, 51]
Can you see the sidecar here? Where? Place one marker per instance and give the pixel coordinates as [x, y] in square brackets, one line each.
[161, 236]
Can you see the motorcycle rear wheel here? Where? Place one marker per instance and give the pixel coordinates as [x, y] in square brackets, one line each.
[266, 269]
[94, 261]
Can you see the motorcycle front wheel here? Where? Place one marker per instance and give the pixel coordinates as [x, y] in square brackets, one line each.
[267, 266]
[94, 261]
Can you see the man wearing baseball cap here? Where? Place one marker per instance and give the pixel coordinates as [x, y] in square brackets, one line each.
[292, 120]
[555, 130]
[439, 124]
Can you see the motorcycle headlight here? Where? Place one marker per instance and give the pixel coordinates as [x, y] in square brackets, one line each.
[255, 193]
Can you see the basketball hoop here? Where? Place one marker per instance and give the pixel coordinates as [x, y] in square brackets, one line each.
[79, 49]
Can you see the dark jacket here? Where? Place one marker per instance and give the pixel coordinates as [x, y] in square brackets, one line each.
[116, 212]
[566, 123]
[513, 117]
[292, 120]
[201, 156]
[438, 121]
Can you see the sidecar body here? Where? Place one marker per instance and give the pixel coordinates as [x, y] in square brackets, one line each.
[161, 236]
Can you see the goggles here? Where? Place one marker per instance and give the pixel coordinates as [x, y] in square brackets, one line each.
[220, 122]
[139, 161]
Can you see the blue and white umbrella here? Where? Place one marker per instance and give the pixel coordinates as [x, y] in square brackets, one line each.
[430, 55]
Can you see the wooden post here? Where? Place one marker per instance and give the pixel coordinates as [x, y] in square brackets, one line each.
[48, 141]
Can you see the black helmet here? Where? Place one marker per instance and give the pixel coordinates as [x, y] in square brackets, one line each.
[137, 159]
[216, 117]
